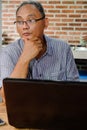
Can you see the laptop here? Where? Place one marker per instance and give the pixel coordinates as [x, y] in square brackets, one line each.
[44, 104]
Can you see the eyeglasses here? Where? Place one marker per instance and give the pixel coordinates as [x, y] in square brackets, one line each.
[28, 22]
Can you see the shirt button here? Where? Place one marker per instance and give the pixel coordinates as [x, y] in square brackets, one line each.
[40, 75]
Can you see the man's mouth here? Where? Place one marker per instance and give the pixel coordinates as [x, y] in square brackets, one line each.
[26, 34]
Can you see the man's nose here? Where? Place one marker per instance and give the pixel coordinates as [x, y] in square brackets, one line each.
[25, 25]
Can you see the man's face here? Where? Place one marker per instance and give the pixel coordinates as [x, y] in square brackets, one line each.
[29, 12]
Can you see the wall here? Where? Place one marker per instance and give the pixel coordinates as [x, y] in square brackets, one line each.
[67, 18]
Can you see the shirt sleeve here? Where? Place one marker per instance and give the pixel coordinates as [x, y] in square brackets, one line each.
[72, 71]
[6, 65]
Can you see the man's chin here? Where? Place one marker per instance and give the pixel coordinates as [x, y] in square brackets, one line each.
[26, 37]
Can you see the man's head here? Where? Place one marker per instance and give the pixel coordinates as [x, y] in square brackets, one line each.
[30, 19]
[34, 3]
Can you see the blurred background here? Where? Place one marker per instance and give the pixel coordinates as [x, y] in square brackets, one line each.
[67, 19]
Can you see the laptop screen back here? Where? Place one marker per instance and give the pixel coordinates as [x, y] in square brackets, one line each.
[46, 104]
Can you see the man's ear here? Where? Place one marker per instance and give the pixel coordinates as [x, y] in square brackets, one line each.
[46, 23]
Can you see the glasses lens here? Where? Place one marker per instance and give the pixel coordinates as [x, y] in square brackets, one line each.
[30, 21]
[20, 22]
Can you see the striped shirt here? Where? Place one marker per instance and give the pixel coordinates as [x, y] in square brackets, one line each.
[57, 63]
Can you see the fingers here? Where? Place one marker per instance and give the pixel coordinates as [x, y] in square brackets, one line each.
[34, 41]
[31, 37]
[32, 46]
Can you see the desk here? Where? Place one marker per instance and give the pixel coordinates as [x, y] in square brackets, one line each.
[3, 116]
[79, 52]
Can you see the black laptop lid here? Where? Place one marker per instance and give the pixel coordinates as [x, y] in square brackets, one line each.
[46, 104]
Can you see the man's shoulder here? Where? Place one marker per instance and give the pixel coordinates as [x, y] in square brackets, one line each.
[16, 45]
[57, 42]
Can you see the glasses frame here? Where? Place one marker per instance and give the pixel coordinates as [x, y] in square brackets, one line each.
[31, 21]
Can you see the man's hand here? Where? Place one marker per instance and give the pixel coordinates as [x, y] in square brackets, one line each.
[2, 94]
[32, 48]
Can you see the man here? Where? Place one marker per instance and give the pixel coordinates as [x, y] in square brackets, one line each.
[34, 55]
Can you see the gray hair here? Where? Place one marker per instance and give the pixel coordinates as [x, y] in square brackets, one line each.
[35, 3]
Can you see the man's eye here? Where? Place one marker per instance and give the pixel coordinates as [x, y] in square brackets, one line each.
[31, 21]
[20, 22]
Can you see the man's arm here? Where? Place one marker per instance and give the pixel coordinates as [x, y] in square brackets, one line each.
[72, 71]
[31, 50]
